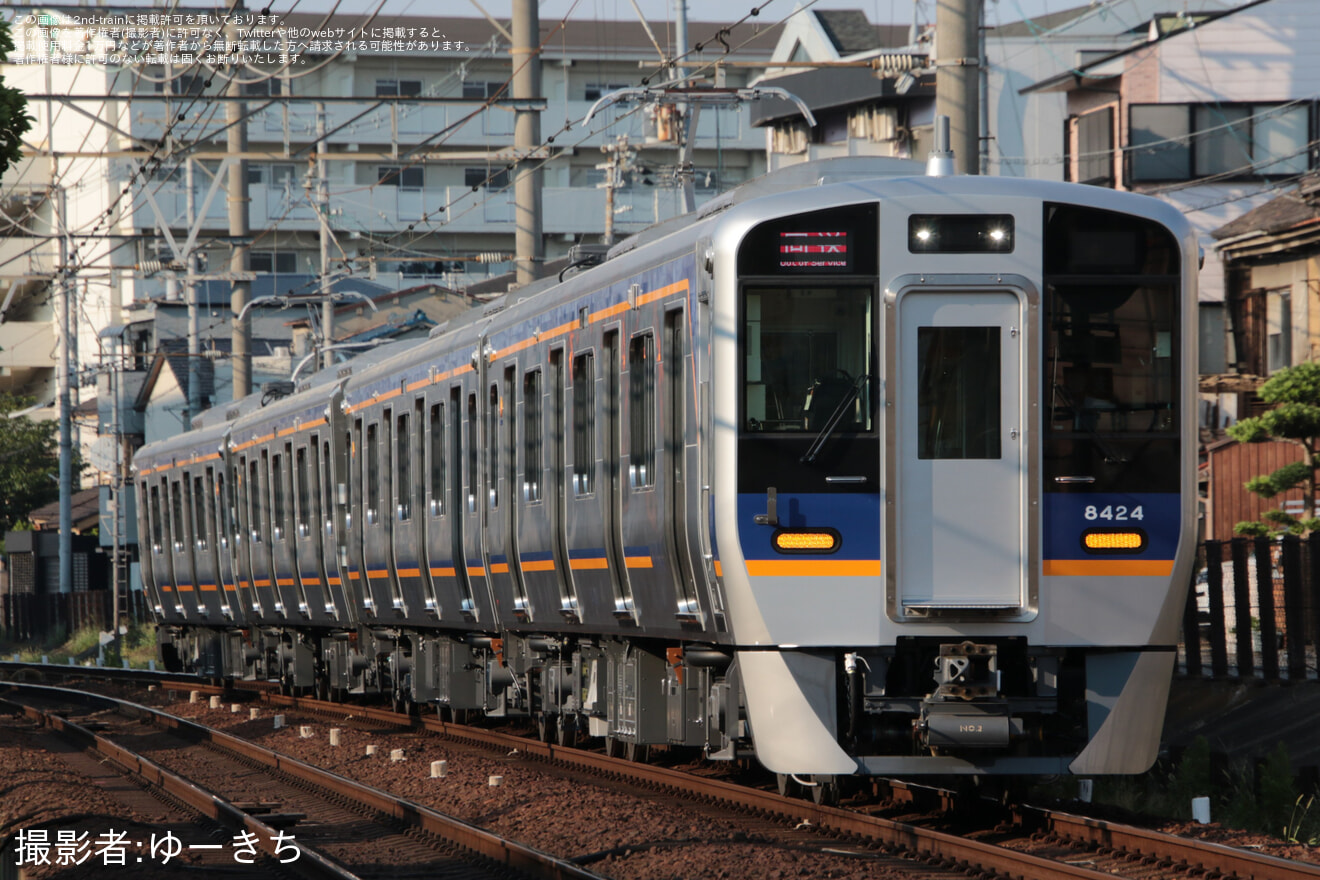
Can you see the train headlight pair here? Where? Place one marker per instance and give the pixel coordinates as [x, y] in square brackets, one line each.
[806, 540]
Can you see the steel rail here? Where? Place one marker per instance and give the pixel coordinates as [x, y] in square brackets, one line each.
[1136, 842]
[1196, 854]
[513, 855]
[310, 863]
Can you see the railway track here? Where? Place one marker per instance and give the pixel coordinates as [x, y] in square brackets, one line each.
[1021, 842]
[338, 828]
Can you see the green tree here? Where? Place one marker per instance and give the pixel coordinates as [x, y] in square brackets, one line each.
[29, 463]
[14, 121]
[1295, 418]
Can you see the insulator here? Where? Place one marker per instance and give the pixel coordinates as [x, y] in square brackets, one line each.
[898, 63]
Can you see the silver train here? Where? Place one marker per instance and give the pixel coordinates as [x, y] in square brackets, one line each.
[857, 473]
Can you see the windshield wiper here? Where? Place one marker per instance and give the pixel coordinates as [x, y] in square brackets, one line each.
[835, 417]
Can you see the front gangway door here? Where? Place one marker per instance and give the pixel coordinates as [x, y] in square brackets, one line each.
[958, 482]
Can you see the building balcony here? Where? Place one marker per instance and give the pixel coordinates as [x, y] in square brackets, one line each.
[25, 257]
[462, 125]
[387, 209]
[27, 345]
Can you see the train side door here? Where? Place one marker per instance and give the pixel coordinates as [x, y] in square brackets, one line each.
[957, 528]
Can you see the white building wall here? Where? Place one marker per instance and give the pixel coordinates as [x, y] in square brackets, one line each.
[1265, 53]
[1027, 130]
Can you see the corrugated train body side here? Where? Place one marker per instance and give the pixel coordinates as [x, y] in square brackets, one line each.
[511, 517]
[890, 475]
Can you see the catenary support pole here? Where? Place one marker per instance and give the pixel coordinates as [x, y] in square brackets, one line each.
[239, 231]
[529, 246]
[957, 80]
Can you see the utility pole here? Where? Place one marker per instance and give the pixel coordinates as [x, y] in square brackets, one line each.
[620, 160]
[194, 326]
[239, 232]
[957, 79]
[687, 113]
[115, 499]
[529, 247]
[323, 211]
[63, 366]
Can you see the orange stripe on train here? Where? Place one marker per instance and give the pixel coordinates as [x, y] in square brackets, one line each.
[1108, 567]
[813, 567]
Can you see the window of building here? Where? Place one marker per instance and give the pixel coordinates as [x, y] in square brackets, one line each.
[488, 178]
[398, 88]
[595, 91]
[480, 90]
[789, 138]
[268, 87]
[404, 177]
[1095, 148]
[186, 84]
[271, 174]
[273, 262]
[1187, 141]
[1278, 328]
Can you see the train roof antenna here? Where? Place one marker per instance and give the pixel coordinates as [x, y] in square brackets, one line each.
[940, 162]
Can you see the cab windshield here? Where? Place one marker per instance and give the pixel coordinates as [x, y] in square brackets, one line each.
[807, 354]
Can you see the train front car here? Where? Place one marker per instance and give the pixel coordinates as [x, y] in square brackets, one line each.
[954, 490]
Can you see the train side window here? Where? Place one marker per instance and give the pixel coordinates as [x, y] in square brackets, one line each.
[403, 469]
[327, 489]
[254, 500]
[157, 533]
[387, 461]
[532, 440]
[216, 505]
[372, 453]
[277, 496]
[584, 424]
[437, 453]
[176, 516]
[493, 442]
[472, 452]
[314, 490]
[353, 499]
[301, 490]
[641, 411]
[189, 512]
[201, 526]
[268, 523]
[509, 440]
